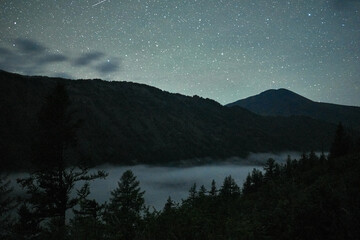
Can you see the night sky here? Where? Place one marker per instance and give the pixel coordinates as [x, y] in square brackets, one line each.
[225, 50]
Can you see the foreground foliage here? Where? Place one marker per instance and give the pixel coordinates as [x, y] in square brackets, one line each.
[310, 198]
[313, 198]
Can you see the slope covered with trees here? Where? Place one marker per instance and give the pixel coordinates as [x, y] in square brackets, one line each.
[131, 123]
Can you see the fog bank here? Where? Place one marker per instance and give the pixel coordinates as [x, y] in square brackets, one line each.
[160, 182]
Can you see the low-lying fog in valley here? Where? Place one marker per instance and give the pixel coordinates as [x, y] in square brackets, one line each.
[160, 182]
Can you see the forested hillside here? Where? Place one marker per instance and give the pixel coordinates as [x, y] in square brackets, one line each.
[125, 122]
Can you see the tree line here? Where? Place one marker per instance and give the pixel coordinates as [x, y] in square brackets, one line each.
[314, 197]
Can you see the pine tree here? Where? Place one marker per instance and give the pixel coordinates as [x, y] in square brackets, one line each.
[322, 158]
[213, 190]
[51, 182]
[27, 226]
[341, 143]
[202, 191]
[168, 205]
[253, 181]
[313, 157]
[6, 206]
[87, 221]
[123, 213]
[192, 192]
[247, 186]
[271, 169]
[229, 188]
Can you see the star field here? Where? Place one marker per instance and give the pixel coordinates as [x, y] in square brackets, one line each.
[224, 49]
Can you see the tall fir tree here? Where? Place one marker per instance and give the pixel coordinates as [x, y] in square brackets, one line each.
[229, 188]
[213, 190]
[202, 191]
[168, 205]
[193, 192]
[51, 181]
[123, 213]
[341, 143]
[271, 169]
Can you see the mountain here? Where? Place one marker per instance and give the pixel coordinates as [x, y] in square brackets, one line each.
[282, 102]
[134, 123]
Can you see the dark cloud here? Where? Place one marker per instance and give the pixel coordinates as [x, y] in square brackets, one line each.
[109, 66]
[52, 58]
[30, 57]
[29, 46]
[27, 57]
[4, 52]
[88, 58]
[10, 60]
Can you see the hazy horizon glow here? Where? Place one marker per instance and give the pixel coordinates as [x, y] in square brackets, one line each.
[224, 49]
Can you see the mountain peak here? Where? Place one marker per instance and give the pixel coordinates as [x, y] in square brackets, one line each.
[270, 99]
[281, 93]
[283, 102]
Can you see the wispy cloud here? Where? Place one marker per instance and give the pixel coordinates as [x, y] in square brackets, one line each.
[29, 46]
[88, 58]
[31, 57]
[111, 65]
[52, 58]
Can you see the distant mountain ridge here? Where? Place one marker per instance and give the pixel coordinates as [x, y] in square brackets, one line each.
[135, 123]
[283, 102]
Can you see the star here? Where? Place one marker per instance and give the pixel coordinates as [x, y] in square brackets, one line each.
[173, 45]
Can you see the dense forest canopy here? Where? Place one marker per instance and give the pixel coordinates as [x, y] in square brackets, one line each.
[128, 123]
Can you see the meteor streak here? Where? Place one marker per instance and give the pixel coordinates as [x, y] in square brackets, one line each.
[99, 3]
